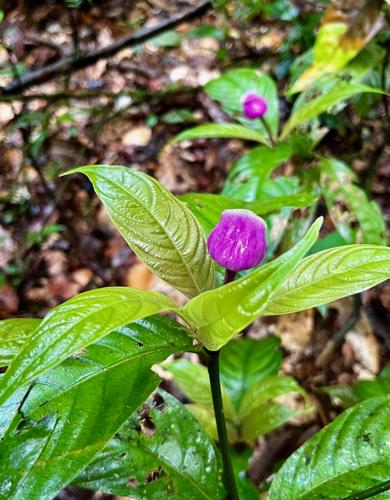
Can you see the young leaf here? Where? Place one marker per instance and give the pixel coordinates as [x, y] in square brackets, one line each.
[266, 389]
[230, 88]
[330, 275]
[90, 396]
[185, 373]
[221, 313]
[14, 335]
[176, 459]
[75, 324]
[343, 90]
[158, 228]
[247, 175]
[246, 361]
[348, 457]
[208, 208]
[222, 131]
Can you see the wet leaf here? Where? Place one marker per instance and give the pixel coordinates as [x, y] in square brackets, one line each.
[173, 457]
[14, 335]
[90, 396]
[76, 323]
[347, 457]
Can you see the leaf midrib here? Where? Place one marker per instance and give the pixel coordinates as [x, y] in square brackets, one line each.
[197, 287]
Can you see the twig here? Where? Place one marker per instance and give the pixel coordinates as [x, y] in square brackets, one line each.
[69, 64]
[137, 95]
[339, 336]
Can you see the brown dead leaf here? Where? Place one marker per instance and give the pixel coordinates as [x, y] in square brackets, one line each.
[295, 330]
[9, 301]
[365, 348]
[139, 276]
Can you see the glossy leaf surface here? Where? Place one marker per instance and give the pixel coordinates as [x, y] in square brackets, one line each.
[330, 275]
[230, 88]
[160, 452]
[14, 334]
[220, 314]
[157, 226]
[222, 131]
[349, 456]
[208, 208]
[245, 361]
[90, 396]
[76, 323]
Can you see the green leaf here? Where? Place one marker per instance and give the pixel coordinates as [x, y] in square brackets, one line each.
[340, 191]
[307, 111]
[90, 396]
[14, 334]
[158, 227]
[185, 373]
[245, 361]
[340, 37]
[265, 418]
[166, 39]
[365, 389]
[19, 454]
[230, 88]
[347, 457]
[222, 131]
[221, 313]
[208, 208]
[330, 275]
[266, 389]
[161, 452]
[75, 324]
[247, 175]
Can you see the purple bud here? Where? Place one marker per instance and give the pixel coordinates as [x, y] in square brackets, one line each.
[238, 241]
[254, 106]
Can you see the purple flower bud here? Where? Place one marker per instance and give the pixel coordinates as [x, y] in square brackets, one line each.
[254, 106]
[238, 241]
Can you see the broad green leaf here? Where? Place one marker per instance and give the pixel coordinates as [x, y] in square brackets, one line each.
[347, 457]
[265, 418]
[230, 88]
[157, 226]
[247, 175]
[222, 131]
[343, 90]
[193, 380]
[342, 35]
[221, 313]
[245, 361]
[330, 275]
[14, 334]
[160, 452]
[19, 454]
[208, 208]
[90, 396]
[266, 389]
[76, 323]
[348, 204]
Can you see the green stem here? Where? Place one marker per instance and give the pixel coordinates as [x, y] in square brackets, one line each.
[371, 492]
[269, 131]
[228, 474]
